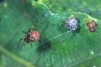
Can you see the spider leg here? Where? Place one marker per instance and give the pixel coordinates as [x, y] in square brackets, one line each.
[33, 27]
[23, 45]
[19, 42]
[24, 32]
[29, 30]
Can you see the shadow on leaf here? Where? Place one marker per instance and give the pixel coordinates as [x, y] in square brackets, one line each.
[44, 47]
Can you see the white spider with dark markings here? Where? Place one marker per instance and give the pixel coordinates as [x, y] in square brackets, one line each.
[72, 24]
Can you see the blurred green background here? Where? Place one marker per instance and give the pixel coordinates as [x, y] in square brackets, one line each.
[17, 16]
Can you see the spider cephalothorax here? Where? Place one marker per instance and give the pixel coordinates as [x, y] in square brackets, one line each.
[30, 37]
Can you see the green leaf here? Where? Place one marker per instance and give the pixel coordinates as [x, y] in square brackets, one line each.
[58, 47]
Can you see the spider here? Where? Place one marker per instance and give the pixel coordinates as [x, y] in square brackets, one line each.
[72, 24]
[92, 26]
[30, 37]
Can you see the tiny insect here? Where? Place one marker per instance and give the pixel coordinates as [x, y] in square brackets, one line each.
[92, 25]
[72, 24]
[30, 37]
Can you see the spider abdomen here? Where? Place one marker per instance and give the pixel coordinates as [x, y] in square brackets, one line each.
[35, 36]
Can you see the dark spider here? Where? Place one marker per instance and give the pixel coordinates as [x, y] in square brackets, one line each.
[30, 37]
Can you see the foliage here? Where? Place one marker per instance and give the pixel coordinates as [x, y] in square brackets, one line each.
[58, 47]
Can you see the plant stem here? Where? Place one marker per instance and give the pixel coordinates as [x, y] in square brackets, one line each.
[20, 60]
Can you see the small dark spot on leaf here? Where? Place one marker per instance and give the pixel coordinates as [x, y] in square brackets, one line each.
[92, 25]
[1, 1]
[36, 0]
[78, 30]
[44, 47]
